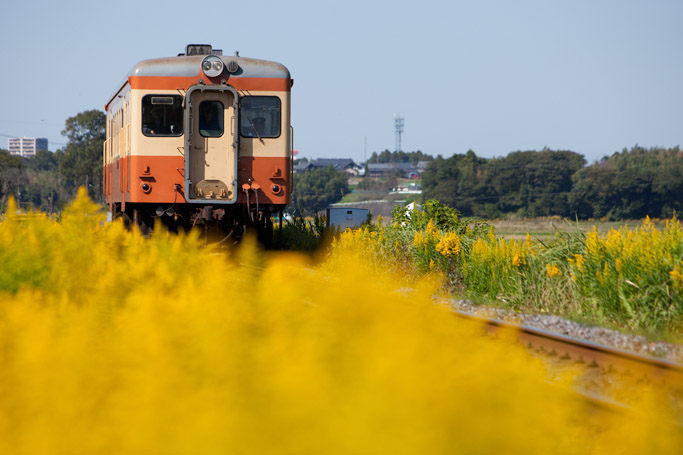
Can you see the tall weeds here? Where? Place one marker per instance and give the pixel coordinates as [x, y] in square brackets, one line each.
[626, 279]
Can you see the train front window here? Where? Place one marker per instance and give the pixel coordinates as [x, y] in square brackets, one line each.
[260, 116]
[211, 118]
[162, 115]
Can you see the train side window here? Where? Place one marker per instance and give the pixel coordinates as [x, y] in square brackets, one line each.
[162, 115]
[260, 116]
[211, 118]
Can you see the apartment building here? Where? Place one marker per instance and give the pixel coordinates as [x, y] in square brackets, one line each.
[26, 146]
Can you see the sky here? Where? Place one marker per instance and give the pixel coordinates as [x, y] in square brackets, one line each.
[492, 76]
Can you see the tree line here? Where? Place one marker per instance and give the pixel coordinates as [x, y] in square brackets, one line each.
[629, 184]
[399, 157]
[315, 189]
[47, 181]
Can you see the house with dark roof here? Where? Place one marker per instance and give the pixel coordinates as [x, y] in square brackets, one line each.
[339, 164]
[303, 166]
[406, 170]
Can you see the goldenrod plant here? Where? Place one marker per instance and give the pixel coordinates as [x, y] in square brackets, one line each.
[629, 279]
[111, 342]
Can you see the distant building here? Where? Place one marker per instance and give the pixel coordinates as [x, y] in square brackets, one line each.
[406, 170]
[346, 217]
[410, 188]
[339, 164]
[26, 146]
[422, 165]
[303, 166]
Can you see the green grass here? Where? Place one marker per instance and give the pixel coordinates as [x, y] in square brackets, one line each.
[546, 227]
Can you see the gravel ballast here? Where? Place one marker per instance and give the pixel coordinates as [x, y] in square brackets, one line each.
[599, 335]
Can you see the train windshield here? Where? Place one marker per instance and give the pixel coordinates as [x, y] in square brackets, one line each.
[260, 116]
[162, 115]
[211, 118]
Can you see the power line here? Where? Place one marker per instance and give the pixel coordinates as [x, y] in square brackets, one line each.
[19, 137]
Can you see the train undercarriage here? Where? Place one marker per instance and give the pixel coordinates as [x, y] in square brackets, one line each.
[218, 223]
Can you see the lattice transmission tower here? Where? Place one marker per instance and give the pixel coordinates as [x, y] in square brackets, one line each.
[398, 123]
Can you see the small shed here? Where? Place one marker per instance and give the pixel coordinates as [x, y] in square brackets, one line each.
[346, 217]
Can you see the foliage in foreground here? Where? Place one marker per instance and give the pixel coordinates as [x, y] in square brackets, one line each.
[300, 234]
[627, 279]
[112, 343]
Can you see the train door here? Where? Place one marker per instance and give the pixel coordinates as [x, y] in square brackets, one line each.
[211, 158]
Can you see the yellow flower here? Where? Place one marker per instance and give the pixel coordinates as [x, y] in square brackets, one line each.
[430, 231]
[594, 245]
[613, 242]
[516, 260]
[480, 249]
[677, 277]
[552, 270]
[449, 245]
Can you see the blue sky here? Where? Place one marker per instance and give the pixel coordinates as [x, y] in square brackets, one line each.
[492, 76]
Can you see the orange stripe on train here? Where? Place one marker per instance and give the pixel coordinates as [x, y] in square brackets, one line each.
[125, 177]
[181, 82]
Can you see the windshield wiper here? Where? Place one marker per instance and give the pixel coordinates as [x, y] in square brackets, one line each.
[255, 130]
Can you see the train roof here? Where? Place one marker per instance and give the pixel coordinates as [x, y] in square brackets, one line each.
[189, 65]
[184, 65]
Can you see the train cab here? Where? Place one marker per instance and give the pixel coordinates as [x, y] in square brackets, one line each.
[200, 138]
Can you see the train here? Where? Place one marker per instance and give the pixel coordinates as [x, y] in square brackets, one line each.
[200, 139]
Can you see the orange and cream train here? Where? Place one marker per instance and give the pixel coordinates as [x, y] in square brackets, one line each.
[200, 138]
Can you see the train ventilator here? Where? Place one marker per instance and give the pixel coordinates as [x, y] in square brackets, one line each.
[200, 138]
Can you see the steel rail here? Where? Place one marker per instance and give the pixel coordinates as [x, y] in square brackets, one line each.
[605, 357]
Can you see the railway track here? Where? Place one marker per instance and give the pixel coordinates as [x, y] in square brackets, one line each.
[608, 359]
[604, 359]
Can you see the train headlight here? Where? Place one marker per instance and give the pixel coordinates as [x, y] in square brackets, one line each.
[212, 65]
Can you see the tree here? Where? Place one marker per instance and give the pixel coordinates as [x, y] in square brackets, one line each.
[43, 160]
[440, 180]
[81, 164]
[43, 191]
[458, 181]
[399, 157]
[529, 183]
[315, 189]
[667, 184]
[8, 160]
[10, 176]
[533, 183]
[630, 184]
